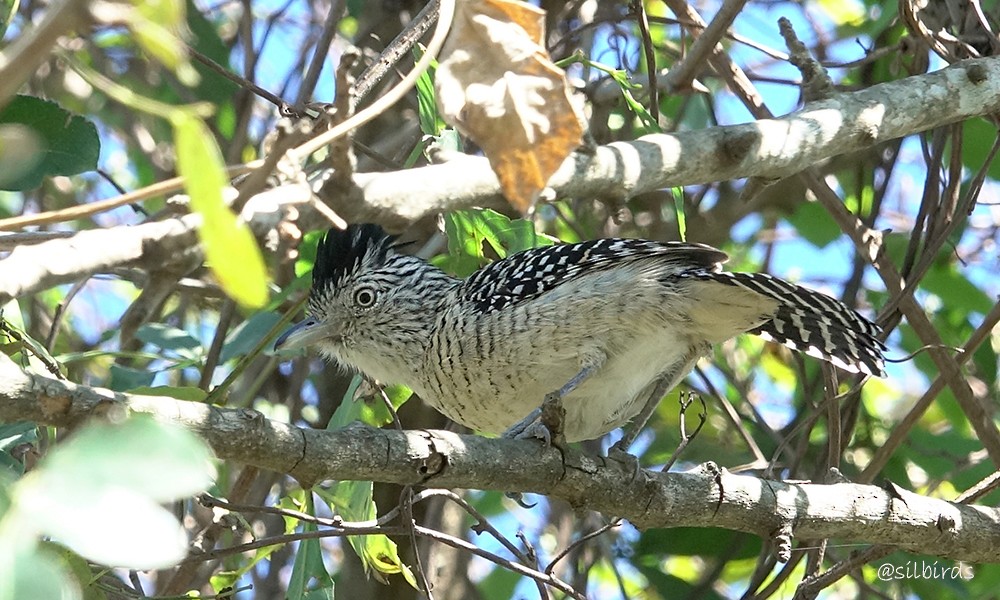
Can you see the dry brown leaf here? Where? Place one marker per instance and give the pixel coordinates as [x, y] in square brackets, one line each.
[498, 86]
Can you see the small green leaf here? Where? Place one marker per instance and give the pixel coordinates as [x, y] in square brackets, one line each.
[62, 143]
[679, 212]
[158, 26]
[813, 223]
[955, 290]
[246, 337]
[353, 501]
[124, 378]
[15, 434]
[230, 248]
[36, 574]
[467, 231]
[430, 119]
[308, 564]
[212, 86]
[978, 137]
[167, 337]
[369, 408]
[307, 253]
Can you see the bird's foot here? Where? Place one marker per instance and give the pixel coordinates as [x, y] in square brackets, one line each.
[618, 452]
[530, 427]
[544, 423]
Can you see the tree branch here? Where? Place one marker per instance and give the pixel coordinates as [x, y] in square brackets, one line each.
[860, 513]
[768, 148]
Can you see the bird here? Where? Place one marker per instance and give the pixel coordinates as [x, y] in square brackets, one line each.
[604, 327]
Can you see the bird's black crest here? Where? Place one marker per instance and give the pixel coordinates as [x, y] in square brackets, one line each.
[341, 252]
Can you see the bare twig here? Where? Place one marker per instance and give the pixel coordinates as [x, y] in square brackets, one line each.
[902, 429]
[320, 52]
[650, 53]
[685, 438]
[680, 76]
[397, 48]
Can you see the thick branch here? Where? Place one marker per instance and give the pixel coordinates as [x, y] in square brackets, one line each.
[768, 148]
[846, 511]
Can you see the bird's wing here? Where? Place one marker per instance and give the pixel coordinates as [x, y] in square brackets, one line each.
[526, 275]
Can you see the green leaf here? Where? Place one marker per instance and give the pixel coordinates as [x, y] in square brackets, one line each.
[26, 344]
[158, 26]
[955, 290]
[99, 493]
[230, 248]
[368, 408]
[431, 122]
[308, 564]
[78, 567]
[39, 139]
[212, 86]
[978, 137]
[167, 337]
[468, 230]
[11, 436]
[353, 501]
[124, 378]
[307, 253]
[814, 224]
[36, 574]
[246, 337]
[678, 194]
[9, 464]
[15, 434]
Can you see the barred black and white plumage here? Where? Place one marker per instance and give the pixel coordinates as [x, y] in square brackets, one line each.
[812, 323]
[601, 321]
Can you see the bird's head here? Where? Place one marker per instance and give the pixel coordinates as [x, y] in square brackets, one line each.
[369, 305]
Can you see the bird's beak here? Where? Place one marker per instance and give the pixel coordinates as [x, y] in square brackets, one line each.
[302, 334]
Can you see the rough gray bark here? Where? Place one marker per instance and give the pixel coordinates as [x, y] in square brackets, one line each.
[701, 497]
[766, 149]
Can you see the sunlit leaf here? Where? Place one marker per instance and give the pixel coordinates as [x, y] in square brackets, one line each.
[230, 248]
[99, 493]
[353, 501]
[159, 26]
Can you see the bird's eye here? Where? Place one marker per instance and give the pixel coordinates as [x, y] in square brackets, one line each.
[364, 297]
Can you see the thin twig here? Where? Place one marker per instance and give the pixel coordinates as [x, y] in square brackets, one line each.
[243, 82]
[397, 48]
[650, 53]
[446, 13]
[406, 504]
[580, 541]
[706, 42]
[685, 438]
[319, 55]
[902, 429]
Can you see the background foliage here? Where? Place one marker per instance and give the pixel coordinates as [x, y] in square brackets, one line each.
[135, 112]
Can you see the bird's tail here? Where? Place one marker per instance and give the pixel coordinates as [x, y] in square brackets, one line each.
[814, 323]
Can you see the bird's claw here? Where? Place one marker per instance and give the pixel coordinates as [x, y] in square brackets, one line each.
[621, 455]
